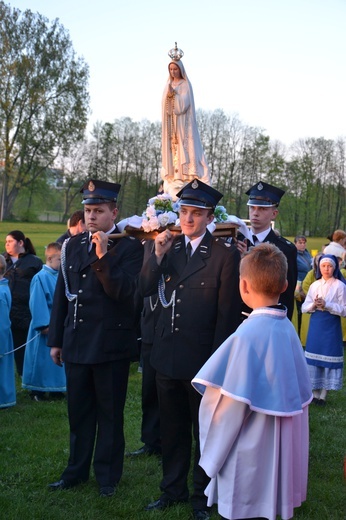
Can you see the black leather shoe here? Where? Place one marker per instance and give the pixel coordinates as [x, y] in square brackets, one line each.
[201, 514]
[159, 505]
[64, 484]
[144, 450]
[107, 491]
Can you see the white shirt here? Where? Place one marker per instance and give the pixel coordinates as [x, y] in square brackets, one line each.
[333, 291]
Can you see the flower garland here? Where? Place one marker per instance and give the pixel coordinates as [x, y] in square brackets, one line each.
[161, 211]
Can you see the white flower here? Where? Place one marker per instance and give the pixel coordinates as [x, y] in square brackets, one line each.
[150, 212]
[172, 217]
[154, 223]
[163, 219]
[158, 213]
[146, 225]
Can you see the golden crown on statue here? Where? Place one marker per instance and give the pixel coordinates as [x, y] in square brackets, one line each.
[175, 54]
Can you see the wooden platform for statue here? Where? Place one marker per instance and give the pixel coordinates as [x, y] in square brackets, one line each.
[224, 229]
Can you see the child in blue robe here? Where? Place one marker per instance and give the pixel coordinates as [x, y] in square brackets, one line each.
[254, 423]
[40, 374]
[7, 379]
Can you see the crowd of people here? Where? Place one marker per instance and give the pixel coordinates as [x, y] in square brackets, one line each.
[226, 384]
[81, 311]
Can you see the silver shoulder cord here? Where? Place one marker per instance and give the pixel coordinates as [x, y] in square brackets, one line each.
[153, 305]
[71, 297]
[162, 298]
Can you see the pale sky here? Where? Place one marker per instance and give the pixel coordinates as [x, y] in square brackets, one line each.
[278, 64]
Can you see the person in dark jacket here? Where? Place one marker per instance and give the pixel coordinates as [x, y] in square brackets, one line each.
[150, 427]
[76, 224]
[93, 332]
[197, 278]
[21, 266]
[263, 205]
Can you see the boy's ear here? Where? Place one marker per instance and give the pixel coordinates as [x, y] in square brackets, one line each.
[244, 286]
[284, 287]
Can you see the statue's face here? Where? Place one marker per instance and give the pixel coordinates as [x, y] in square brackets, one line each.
[174, 71]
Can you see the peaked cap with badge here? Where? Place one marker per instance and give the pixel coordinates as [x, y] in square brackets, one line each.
[264, 194]
[99, 192]
[197, 193]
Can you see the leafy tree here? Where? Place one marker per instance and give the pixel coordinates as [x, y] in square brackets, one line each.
[44, 99]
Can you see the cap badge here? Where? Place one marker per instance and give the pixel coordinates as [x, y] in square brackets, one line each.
[260, 186]
[91, 186]
[194, 185]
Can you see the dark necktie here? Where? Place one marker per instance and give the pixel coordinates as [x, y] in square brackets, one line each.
[254, 239]
[91, 246]
[188, 251]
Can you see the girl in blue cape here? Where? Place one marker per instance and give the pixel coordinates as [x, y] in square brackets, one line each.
[254, 425]
[40, 374]
[326, 301]
[7, 379]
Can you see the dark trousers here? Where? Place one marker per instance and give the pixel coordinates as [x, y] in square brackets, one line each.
[179, 406]
[19, 338]
[150, 433]
[96, 398]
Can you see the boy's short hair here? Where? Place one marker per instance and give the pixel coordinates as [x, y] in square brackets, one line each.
[2, 265]
[52, 246]
[265, 266]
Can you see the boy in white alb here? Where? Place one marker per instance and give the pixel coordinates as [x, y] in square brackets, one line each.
[254, 425]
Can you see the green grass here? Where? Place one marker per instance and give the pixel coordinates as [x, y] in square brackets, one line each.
[34, 451]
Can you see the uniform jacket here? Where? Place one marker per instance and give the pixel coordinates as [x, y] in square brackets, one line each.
[207, 304]
[150, 306]
[104, 326]
[19, 276]
[290, 251]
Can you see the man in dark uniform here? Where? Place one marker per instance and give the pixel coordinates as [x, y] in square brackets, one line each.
[93, 331]
[263, 205]
[150, 427]
[197, 278]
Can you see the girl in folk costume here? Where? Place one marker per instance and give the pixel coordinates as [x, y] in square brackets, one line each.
[182, 153]
[326, 301]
